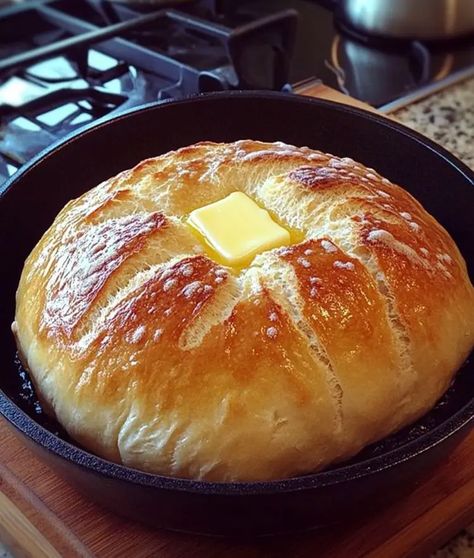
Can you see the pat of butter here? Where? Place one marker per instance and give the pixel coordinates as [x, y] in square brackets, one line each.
[237, 229]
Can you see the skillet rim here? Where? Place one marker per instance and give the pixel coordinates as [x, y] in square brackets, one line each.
[79, 457]
[73, 454]
[204, 97]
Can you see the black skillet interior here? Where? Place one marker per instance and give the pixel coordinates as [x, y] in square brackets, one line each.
[32, 199]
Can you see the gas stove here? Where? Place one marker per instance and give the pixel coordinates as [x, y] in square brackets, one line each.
[65, 63]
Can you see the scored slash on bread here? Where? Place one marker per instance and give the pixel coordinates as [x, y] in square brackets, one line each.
[153, 355]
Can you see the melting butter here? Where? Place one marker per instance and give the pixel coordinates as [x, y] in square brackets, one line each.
[235, 229]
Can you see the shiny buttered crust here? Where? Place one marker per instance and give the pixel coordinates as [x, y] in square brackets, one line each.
[152, 355]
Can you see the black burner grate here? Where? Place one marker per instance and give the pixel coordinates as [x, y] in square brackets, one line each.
[63, 64]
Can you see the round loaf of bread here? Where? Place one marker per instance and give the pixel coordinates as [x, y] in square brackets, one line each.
[153, 355]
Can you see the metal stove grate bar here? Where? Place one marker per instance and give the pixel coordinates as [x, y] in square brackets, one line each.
[84, 40]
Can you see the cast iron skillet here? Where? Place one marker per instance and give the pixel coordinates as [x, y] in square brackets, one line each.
[33, 197]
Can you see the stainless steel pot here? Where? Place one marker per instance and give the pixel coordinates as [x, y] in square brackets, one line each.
[410, 19]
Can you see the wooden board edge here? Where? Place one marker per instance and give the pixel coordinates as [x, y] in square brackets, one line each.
[320, 91]
[29, 527]
[431, 529]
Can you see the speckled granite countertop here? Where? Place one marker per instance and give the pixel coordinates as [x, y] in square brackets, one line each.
[446, 117]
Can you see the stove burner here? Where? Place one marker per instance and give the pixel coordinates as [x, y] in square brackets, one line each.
[372, 73]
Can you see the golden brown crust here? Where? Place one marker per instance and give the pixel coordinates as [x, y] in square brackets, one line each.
[151, 354]
[95, 254]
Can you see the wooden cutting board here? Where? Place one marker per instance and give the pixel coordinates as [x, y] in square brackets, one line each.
[41, 516]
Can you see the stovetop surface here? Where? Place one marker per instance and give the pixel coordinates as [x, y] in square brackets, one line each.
[65, 63]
